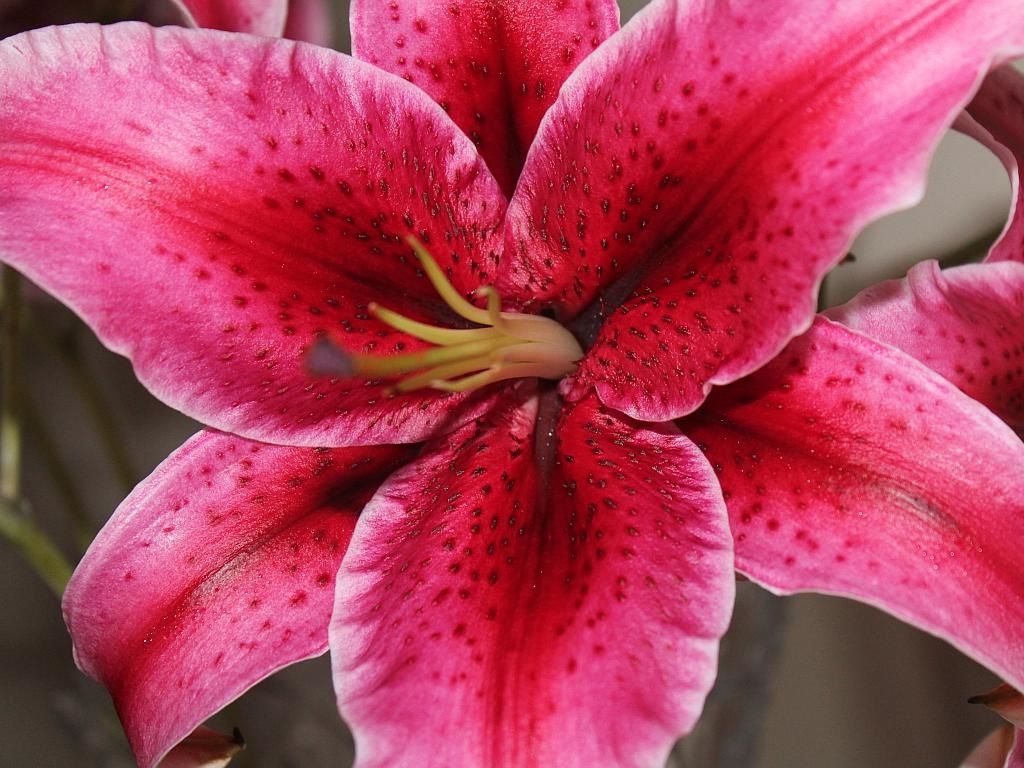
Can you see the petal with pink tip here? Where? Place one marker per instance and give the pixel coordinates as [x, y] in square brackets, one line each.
[212, 204]
[476, 626]
[998, 109]
[965, 323]
[257, 17]
[495, 67]
[1006, 701]
[216, 571]
[850, 468]
[702, 170]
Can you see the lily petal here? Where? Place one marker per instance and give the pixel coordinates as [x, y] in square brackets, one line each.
[1005, 701]
[1004, 747]
[994, 750]
[495, 67]
[998, 109]
[702, 170]
[204, 748]
[850, 468]
[475, 625]
[311, 21]
[964, 323]
[218, 202]
[216, 571]
[257, 17]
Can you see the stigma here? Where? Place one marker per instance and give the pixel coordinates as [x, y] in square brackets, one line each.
[507, 345]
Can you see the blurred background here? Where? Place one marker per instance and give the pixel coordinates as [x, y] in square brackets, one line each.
[807, 681]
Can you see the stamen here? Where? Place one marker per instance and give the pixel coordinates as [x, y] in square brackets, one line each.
[444, 289]
[510, 345]
[431, 333]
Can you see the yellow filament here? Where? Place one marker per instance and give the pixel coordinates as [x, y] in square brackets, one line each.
[444, 289]
[431, 333]
[372, 366]
[444, 372]
[510, 345]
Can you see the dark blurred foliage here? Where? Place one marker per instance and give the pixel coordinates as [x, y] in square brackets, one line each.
[20, 15]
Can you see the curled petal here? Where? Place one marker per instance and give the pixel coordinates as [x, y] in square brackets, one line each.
[204, 748]
[996, 119]
[964, 323]
[1006, 701]
[217, 202]
[257, 17]
[495, 67]
[216, 571]
[700, 172]
[850, 468]
[311, 21]
[514, 603]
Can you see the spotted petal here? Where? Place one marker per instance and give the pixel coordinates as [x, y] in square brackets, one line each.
[708, 164]
[498, 609]
[850, 468]
[213, 203]
[216, 571]
[964, 323]
[495, 67]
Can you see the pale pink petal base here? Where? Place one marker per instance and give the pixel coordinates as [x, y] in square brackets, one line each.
[850, 468]
[216, 571]
[966, 323]
[475, 626]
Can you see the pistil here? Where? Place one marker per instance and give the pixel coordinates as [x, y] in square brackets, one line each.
[509, 345]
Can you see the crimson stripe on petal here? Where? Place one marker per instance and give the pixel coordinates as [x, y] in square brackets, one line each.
[495, 67]
[496, 609]
[213, 203]
[966, 323]
[216, 571]
[850, 468]
[701, 171]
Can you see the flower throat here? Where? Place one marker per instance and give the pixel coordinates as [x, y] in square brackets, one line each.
[510, 345]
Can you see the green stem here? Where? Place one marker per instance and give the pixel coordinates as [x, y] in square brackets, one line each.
[10, 383]
[70, 354]
[63, 481]
[35, 546]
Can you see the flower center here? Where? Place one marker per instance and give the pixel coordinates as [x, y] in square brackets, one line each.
[510, 345]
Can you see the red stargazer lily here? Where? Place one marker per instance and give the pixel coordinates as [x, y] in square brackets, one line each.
[535, 570]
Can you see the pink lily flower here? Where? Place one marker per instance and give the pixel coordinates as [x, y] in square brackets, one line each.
[499, 509]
